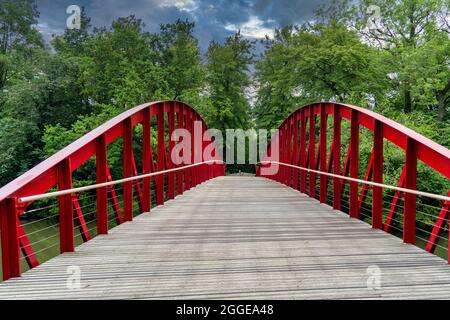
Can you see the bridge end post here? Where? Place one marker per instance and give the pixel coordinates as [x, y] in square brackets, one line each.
[102, 193]
[409, 215]
[10, 239]
[66, 223]
[354, 164]
[337, 183]
[377, 193]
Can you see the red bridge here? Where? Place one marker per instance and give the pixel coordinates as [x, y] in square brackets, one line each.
[158, 229]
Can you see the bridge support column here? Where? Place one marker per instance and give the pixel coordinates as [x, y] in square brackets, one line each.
[409, 215]
[146, 160]
[312, 150]
[303, 151]
[161, 156]
[102, 193]
[354, 164]
[377, 193]
[337, 183]
[323, 152]
[127, 170]
[66, 233]
[10, 239]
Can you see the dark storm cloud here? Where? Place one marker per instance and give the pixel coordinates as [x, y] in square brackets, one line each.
[214, 19]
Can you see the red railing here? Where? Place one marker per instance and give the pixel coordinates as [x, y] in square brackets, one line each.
[57, 171]
[304, 155]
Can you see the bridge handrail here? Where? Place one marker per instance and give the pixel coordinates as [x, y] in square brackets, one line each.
[303, 155]
[366, 182]
[431, 153]
[112, 183]
[58, 170]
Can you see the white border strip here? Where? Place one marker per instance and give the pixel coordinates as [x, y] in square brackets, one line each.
[370, 183]
[111, 183]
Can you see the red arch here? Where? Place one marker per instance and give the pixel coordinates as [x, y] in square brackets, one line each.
[57, 171]
[292, 140]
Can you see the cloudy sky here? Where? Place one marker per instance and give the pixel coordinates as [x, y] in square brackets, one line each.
[214, 19]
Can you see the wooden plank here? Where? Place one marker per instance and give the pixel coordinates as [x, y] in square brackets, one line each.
[239, 237]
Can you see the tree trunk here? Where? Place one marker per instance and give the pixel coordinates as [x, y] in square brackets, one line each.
[442, 98]
[441, 107]
[408, 100]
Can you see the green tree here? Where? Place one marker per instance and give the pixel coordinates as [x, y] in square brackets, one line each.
[17, 32]
[403, 28]
[178, 55]
[227, 80]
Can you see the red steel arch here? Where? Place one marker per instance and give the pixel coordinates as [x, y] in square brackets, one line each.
[294, 150]
[57, 171]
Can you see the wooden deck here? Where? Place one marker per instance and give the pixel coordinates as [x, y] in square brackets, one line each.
[236, 238]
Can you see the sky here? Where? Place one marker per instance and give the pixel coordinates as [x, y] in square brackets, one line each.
[215, 20]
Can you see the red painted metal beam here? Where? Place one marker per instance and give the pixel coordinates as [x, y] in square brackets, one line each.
[10, 239]
[127, 170]
[377, 192]
[66, 225]
[323, 152]
[146, 160]
[102, 193]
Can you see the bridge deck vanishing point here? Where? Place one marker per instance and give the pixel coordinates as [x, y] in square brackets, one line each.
[235, 238]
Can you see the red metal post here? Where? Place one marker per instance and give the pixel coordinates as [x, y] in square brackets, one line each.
[102, 193]
[288, 172]
[194, 177]
[170, 165]
[295, 151]
[127, 169]
[323, 152]
[80, 219]
[10, 239]
[161, 156]
[180, 173]
[146, 160]
[409, 215]
[377, 176]
[188, 172]
[354, 164]
[303, 151]
[337, 183]
[67, 241]
[312, 150]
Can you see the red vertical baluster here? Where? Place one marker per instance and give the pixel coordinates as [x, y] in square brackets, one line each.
[171, 175]
[102, 193]
[161, 156]
[127, 169]
[323, 153]
[280, 144]
[354, 164]
[409, 215]
[303, 151]
[377, 193]
[194, 151]
[146, 159]
[65, 208]
[188, 172]
[10, 239]
[295, 151]
[337, 183]
[312, 147]
[287, 175]
[180, 173]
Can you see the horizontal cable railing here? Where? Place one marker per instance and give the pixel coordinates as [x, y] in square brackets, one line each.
[112, 183]
[369, 183]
